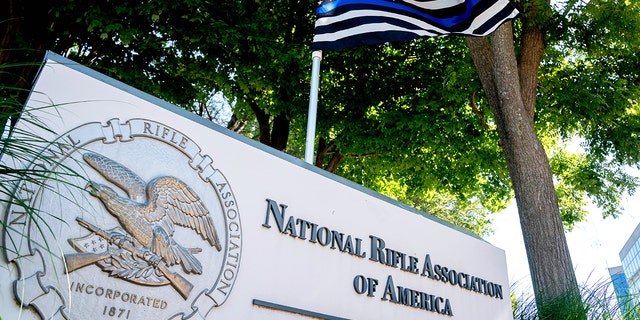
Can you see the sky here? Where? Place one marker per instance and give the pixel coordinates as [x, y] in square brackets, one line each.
[594, 244]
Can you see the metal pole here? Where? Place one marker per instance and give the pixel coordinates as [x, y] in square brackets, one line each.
[313, 107]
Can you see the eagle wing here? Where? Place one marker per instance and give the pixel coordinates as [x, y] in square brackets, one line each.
[119, 175]
[173, 202]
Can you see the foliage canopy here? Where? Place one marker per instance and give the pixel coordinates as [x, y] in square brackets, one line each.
[410, 119]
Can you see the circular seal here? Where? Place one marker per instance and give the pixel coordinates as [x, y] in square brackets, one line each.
[136, 222]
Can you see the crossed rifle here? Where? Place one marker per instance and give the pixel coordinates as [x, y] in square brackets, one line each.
[75, 261]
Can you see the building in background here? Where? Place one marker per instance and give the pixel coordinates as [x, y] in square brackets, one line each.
[621, 288]
[630, 257]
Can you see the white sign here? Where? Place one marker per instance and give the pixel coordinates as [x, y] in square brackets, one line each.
[163, 215]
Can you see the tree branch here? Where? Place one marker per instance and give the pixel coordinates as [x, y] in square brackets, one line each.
[323, 149]
[334, 162]
[477, 112]
[529, 57]
[235, 124]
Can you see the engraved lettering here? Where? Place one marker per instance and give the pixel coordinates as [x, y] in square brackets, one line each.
[21, 218]
[120, 313]
[165, 132]
[73, 142]
[183, 143]
[147, 128]
[117, 296]
[59, 151]
[226, 285]
[173, 136]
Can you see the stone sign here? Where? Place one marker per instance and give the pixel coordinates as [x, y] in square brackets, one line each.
[150, 212]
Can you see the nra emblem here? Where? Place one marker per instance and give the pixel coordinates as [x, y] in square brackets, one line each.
[142, 225]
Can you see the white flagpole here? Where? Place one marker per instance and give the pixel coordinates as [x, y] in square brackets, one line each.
[313, 107]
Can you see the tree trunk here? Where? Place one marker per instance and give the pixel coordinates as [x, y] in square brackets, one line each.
[276, 134]
[552, 272]
[280, 132]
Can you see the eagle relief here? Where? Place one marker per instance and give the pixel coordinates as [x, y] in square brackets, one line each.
[151, 226]
[144, 247]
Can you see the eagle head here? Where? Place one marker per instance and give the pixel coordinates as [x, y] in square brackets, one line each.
[102, 192]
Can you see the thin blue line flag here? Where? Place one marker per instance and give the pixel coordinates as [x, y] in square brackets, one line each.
[344, 24]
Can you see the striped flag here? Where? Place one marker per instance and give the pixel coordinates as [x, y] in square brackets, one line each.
[343, 24]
